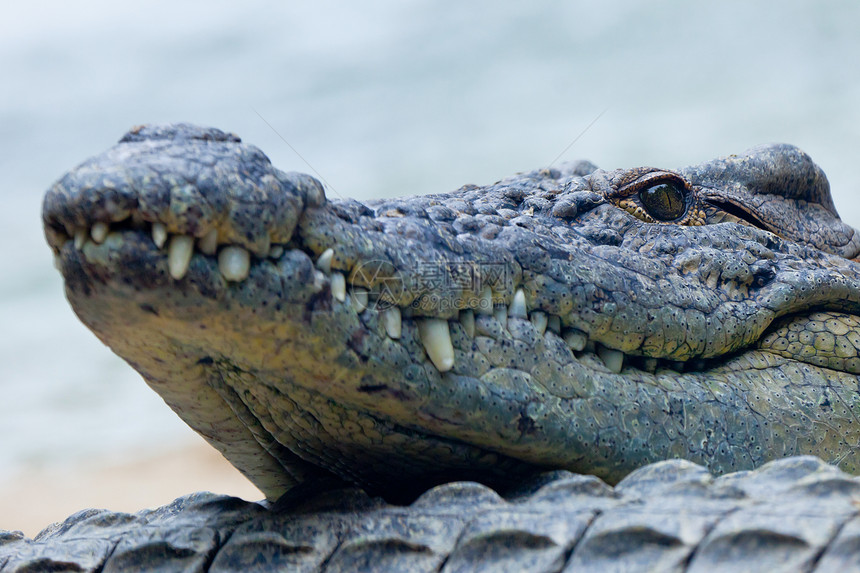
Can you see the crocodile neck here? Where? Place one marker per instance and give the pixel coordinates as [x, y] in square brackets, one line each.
[568, 318]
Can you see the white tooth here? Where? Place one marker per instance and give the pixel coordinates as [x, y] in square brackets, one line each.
[58, 264]
[553, 323]
[358, 296]
[208, 244]
[99, 232]
[575, 339]
[436, 338]
[501, 314]
[613, 359]
[338, 286]
[324, 262]
[485, 303]
[518, 305]
[179, 255]
[80, 238]
[159, 234]
[539, 321]
[276, 252]
[392, 321]
[234, 263]
[467, 319]
[319, 280]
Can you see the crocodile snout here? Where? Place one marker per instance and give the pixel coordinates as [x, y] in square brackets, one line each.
[169, 181]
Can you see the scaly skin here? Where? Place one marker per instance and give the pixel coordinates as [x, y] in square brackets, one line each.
[737, 320]
[791, 515]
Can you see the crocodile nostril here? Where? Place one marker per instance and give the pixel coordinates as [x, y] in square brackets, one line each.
[763, 273]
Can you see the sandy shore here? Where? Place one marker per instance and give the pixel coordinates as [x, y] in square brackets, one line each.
[35, 499]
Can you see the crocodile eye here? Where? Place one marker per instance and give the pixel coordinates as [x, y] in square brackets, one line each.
[665, 201]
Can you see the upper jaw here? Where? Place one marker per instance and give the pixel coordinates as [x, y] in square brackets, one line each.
[181, 180]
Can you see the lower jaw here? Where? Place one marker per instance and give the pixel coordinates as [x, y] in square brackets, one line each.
[759, 407]
[755, 407]
[383, 456]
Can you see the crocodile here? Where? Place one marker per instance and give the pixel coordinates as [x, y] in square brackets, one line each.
[568, 319]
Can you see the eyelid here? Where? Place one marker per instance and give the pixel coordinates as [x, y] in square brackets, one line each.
[651, 179]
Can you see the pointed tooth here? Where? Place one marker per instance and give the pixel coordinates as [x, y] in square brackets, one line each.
[485, 303]
[358, 296]
[392, 321]
[338, 286]
[276, 252]
[234, 263]
[553, 323]
[80, 238]
[179, 255]
[319, 280]
[159, 234]
[436, 338]
[539, 321]
[99, 232]
[58, 263]
[501, 314]
[208, 244]
[575, 339]
[613, 359]
[324, 262]
[467, 319]
[518, 305]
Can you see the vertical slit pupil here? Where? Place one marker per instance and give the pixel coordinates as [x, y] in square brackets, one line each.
[665, 201]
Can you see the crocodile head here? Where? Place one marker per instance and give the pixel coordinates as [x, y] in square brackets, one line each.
[565, 318]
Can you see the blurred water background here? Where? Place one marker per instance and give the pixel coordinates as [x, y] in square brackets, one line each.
[383, 98]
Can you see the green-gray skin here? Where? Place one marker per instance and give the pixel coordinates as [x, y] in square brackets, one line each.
[728, 287]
